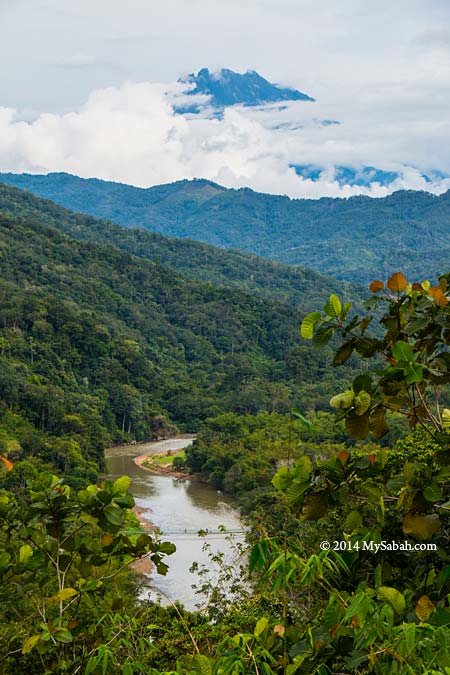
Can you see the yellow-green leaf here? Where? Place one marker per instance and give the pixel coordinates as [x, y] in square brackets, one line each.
[424, 608]
[362, 402]
[308, 324]
[343, 401]
[393, 597]
[63, 594]
[121, 485]
[25, 553]
[30, 643]
[261, 626]
[446, 418]
[421, 527]
[333, 308]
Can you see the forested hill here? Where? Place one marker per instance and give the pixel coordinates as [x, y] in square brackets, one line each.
[301, 287]
[353, 239]
[96, 344]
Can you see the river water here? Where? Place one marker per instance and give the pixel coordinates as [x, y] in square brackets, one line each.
[179, 508]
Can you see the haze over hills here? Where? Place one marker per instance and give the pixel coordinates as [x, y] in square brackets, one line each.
[353, 239]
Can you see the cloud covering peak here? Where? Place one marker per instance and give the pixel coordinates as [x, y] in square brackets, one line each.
[133, 134]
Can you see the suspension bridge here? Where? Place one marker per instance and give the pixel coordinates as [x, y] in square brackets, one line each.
[204, 532]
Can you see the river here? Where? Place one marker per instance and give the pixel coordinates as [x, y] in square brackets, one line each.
[178, 508]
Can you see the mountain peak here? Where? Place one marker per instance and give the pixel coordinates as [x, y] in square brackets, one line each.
[226, 87]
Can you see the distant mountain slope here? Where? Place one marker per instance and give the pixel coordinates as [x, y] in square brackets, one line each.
[297, 286]
[354, 239]
[229, 88]
[114, 341]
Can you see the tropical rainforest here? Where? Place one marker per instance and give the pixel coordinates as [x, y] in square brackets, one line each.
[325, 416]
[354, 239]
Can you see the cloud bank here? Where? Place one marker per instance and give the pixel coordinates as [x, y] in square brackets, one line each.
[132, 134]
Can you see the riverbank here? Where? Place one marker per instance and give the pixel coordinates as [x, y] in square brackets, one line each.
[143, 565]
[164, 469]
[179, 509]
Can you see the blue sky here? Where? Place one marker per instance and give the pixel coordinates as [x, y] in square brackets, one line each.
[85, 83]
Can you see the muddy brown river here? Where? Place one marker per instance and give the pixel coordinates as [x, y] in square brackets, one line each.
[179, 508]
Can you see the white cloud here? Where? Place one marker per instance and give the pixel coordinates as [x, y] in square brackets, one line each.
[380, 68]
[131, 134]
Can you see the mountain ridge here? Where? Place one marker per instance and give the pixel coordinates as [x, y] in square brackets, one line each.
[298, 286]
[354, 239]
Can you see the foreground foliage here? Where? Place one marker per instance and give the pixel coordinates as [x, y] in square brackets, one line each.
[62, 554]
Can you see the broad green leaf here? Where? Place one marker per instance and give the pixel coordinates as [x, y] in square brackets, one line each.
[167, 547]
[345, 310]
[403, 351]
[302, 468]
[63, 635]
[353, 521]
[113, 514]
[121, 485]
[440, 617]
[343, 353]
[261, 626]
[377, 423]
[282, 478]
[315, 506]
[343, 401]
[25, 553]
[416, 324]
[433, 493]
[359, 605]
[393, 597]
[88, 519]
[413, 373]
[201, 665]
[362, 402]
[308, 325]
[296, 492]
[421, 527]
[409, 470]
[357, 426]
[409, 631]
[331, 616]
[322, 336]
[333, 308]
[372, 492]
[363, 381]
